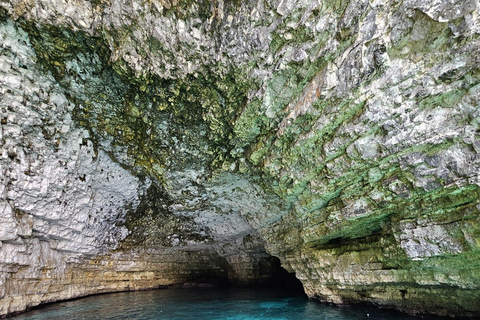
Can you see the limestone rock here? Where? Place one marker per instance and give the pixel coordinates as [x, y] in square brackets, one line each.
[146, 144]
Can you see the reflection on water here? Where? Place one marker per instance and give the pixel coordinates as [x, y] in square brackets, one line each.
[203, 303]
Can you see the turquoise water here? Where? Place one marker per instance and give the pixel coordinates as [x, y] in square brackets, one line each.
[204, 304]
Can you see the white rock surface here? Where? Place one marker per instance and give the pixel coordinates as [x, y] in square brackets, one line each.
[55, 185]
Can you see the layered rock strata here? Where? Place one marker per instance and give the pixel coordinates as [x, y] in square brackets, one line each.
[146, 144]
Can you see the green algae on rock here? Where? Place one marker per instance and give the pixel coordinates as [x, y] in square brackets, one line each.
[155, 143]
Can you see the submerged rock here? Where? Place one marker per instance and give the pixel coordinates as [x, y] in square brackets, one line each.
[148, 144]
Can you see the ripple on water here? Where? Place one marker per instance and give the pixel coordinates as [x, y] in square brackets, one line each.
[203, 304]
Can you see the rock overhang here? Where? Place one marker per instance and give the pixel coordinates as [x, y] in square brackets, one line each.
[339, 136]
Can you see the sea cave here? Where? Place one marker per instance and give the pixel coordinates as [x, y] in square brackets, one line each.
[152, 144]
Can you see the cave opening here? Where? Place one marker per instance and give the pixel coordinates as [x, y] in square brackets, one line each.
[265, 274]
[269, 274]
[283, 280]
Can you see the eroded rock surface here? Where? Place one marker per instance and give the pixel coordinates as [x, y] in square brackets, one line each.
[145, 144]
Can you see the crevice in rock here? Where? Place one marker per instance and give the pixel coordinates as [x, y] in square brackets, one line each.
[282, 279]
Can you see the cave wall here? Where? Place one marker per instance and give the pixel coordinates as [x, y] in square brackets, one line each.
[151, 143]
[84, 208]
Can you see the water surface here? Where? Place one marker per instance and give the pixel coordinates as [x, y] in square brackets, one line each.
[204, 304]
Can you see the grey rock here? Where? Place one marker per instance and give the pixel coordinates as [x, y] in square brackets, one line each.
[145, 143]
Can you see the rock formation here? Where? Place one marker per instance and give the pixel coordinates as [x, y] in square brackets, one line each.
[160, 142]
